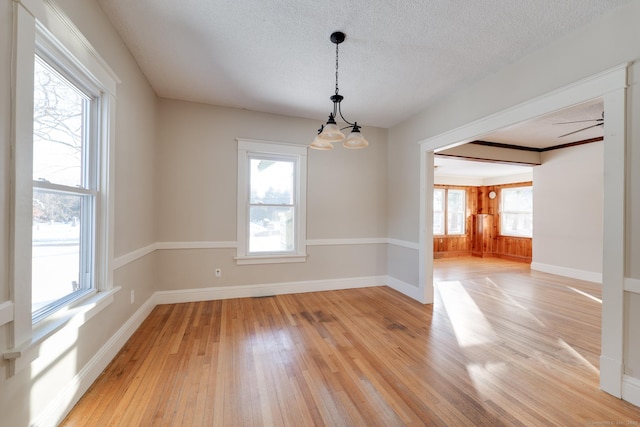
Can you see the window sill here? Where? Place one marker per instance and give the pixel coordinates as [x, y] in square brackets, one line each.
[73, 317]
[270, 259]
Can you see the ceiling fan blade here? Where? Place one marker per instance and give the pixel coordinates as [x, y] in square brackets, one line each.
[580, 130]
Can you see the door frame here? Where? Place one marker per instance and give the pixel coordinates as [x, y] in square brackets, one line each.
[611, 86]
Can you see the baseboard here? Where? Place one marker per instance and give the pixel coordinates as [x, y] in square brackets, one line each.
[451, 254]
[631, 389]
[261, 290]
[611, 376]
[588, 276]
[515, 258]
[73, 391]
[405, 288]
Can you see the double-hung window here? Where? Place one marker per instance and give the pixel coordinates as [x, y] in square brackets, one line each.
[271, 202]
[62, 180]
[64, 187]
[516, 211]
[449, 211]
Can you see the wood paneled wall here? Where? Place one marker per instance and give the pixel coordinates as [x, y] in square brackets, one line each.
[482, 236]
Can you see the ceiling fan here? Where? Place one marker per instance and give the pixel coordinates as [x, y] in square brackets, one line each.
[599, 122]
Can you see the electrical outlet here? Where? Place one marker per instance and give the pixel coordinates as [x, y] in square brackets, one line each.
[133, 296]
[218, 272]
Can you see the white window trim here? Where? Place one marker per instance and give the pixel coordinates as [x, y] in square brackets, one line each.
[503, 212]
[252, 146]
[445, 212]
[42, 22]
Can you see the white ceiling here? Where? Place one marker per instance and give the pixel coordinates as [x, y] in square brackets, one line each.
[275, 55]
[551, 129]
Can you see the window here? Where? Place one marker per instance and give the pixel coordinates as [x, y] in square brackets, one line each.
[64, 188]
[449, 211]
[271, 202]
[62, 179]
[516, 212]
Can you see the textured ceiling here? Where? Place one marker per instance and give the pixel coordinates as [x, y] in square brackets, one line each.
[275, 55]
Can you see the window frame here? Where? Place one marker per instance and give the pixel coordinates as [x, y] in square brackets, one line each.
[248, 149]
[445, 212]
[87, 190]
[502, 212]
[41, 25]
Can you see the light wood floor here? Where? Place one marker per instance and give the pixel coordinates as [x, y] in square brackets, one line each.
[500, 346]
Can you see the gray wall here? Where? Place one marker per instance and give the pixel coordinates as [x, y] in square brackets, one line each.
[196, 198]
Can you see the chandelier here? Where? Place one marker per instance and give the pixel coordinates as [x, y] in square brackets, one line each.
[330, 132]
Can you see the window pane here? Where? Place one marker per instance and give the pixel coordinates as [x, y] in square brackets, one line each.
[271, 229]
[517, 224]
[517, 199]
[272, 181]
[456, 211]
[438, 211]
[516, 216]
[58, 127]
[57, 233]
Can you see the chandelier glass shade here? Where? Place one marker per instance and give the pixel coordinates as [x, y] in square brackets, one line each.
[330, 132]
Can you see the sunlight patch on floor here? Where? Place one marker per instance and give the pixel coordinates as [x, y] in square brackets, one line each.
[483, 376]
[583, 293]
[469, 323]
[515, 303]
[578, 356]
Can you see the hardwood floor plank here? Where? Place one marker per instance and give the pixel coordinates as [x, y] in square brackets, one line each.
[501, 345]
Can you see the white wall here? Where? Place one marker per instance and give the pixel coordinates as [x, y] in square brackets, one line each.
[568, 212]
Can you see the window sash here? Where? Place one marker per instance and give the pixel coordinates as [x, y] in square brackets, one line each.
[59, 259]
[265, 241]
[517, 220]
[448, 221]
[456, 217]
[291, 224]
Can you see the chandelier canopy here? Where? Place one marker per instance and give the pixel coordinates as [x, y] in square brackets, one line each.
[330, 132]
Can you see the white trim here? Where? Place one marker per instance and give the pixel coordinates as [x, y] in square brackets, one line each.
[23, 355]
[632, 285]
[573, 273]
[405, 288]
[296, 153]
[338, 242]
[611, 373]
[270, 259]
[404, 243]
[39, 23]
[611, 86]
[267, 289]
[197, 245]
[6, 312]
[71, 393]
[631, 389]
[130, 257]
[583, 90]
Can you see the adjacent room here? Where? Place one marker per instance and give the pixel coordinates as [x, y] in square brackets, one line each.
[303, 213]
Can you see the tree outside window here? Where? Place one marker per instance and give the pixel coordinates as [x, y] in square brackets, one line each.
[63, 190]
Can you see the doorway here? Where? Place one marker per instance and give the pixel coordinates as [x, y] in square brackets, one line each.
[610, 86]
